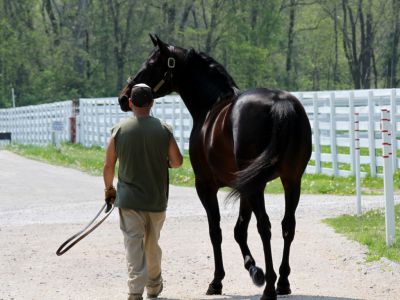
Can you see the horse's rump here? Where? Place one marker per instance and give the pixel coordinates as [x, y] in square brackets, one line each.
[279, 124]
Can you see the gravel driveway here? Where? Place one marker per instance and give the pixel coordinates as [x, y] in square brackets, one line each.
[41, 205]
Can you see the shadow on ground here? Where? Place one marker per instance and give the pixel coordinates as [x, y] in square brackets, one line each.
[257, 297]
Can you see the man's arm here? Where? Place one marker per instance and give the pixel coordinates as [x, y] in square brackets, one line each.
[175, 158]
[109, 164]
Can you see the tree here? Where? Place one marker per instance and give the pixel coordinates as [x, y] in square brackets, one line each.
[358, 41]
[391, 55]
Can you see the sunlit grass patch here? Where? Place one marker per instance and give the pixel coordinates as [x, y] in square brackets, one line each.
[369, 229]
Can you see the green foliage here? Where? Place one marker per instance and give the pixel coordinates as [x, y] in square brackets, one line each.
[57, 50]
[369, 229]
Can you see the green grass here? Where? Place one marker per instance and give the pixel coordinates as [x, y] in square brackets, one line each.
[75, 156]
[369, 229]
[91, 160]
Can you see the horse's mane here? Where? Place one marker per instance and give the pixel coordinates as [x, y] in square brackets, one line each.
[215, 72]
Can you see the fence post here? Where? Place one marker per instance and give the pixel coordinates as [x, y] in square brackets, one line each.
[393, 112]
[181, 131]
[173, 113]
[317, 146]
[371, 133]
[357, 161]
[163, 109]
[333, 133]
[83, 122]
[352, 132]
[388, 177]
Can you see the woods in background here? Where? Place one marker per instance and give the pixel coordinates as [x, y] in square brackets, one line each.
[52, 50]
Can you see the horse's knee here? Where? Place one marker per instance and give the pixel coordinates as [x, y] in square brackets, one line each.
[264, 229]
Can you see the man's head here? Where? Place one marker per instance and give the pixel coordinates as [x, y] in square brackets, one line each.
[141, 95]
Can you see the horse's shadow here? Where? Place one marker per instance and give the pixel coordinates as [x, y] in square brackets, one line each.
[257, 297]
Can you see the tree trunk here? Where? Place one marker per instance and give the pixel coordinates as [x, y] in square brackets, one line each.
[359, 54]
[290, 40]
[120, 36]
[392, 56]
[211, 42]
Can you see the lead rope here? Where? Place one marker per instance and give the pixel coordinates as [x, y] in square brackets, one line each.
[60, 251]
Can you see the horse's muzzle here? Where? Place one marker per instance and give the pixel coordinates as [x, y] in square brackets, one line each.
[124, 103]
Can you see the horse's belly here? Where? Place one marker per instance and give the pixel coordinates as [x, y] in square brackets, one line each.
[221, 160]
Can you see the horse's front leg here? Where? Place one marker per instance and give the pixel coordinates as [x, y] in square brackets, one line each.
[208, 197]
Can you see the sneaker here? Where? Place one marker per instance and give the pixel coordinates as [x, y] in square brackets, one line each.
[154, 292]
[135, 297]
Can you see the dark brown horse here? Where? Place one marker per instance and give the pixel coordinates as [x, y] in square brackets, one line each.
[239, 139]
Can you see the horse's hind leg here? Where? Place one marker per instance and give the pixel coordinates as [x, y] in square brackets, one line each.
[208, 198]
[292, 196]
[241, 227]
[264, 229]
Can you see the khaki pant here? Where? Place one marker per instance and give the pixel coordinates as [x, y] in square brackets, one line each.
[141, 232]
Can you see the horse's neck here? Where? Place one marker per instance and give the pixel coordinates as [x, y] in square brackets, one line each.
[197, 102]
[198, 98]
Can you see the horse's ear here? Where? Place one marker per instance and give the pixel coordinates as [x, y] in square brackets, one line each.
[163, 46]
[153, 39]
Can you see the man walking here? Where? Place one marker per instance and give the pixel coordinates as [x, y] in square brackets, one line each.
[145, 147]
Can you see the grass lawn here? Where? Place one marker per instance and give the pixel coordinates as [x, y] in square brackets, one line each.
[91, 160]
[369, 229]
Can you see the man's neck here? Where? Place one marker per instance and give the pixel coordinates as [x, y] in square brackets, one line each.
[140, 115]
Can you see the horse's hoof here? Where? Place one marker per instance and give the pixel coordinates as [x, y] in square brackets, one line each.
[265, 297]
[283, 286]
[283, 290]
[214, 289]
[257, 275]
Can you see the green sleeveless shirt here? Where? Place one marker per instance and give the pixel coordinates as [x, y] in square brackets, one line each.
[142, 150]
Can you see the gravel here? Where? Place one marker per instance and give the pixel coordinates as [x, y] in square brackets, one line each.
[42, 205]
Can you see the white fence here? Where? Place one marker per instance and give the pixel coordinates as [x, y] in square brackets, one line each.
[98, 116]
[331, 116]
[35, 124]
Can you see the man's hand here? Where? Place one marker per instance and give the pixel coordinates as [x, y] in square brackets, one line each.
[109, 197]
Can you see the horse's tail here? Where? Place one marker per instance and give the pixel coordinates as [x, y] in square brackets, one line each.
[263, 168]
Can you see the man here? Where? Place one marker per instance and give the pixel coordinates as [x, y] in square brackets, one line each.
[145, 148]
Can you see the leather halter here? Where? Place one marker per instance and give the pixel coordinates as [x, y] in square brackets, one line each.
[168, 74]
[171, 63]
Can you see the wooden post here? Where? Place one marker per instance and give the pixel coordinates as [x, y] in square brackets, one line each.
[357, 162]
[317, 146]
[371, 134]
[393, 112]
[333, 134]
[388, 177]
[352, 133]
[181, 131]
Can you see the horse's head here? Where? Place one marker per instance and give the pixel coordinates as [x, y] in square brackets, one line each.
[157, 72]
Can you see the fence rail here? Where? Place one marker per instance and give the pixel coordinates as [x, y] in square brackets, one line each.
[331, 115]
[34, 124]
